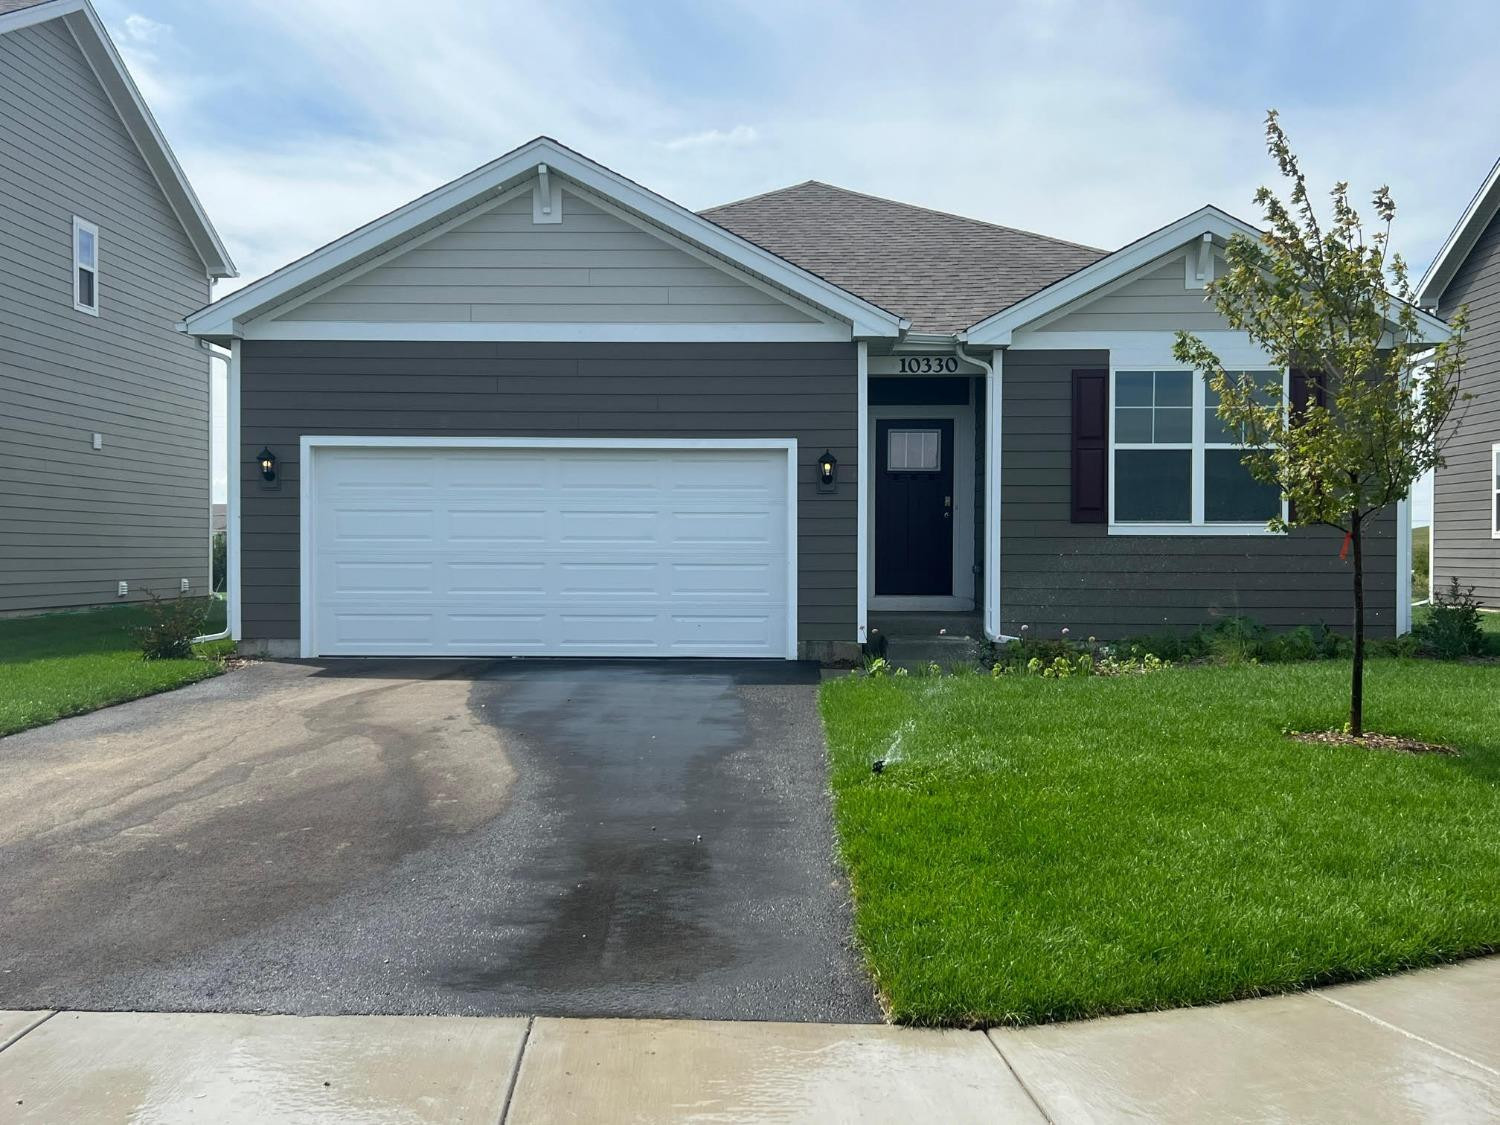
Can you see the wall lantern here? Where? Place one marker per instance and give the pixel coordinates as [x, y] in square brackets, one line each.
[828, 472]
[267, 462]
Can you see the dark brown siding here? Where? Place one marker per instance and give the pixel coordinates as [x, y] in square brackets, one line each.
[1057, 573]
[1463, 544]
[805, 391]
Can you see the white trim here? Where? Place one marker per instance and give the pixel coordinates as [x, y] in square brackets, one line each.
[1403, 566]
[791, 333]
[80, 226]
[962, 523]
[219, 318]
[862, 501]
[1494, 489]
[234, 451]
[99, 52]
[1197, 447]
[1461, 240]
[1207, 222]
[310, 443]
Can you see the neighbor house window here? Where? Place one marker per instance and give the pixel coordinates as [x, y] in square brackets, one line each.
[1495, 491]
[85, 266]
[1176, 466]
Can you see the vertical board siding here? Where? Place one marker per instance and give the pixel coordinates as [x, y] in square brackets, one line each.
[1056, 573]
[802, 391]
[591, 268]
[1463, 545]
[75, 521]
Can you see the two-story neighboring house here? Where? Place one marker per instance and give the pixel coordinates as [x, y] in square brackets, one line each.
[1466, 492]
[104, 405]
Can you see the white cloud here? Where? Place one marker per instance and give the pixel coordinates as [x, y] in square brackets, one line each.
[737, 137]
[1090, 122]
[144, 29]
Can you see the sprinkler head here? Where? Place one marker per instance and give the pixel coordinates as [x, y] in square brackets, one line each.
[878, 766]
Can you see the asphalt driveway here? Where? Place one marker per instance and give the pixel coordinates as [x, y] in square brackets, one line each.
[615, 839]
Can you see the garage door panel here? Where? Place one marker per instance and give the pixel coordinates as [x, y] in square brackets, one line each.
[549, 551]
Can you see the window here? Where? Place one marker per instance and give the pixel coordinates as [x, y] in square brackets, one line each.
[85, 267]
[1176, 466]
[1495, 491]
[914, 451]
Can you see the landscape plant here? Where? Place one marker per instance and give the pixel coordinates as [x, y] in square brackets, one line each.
[1332, 302]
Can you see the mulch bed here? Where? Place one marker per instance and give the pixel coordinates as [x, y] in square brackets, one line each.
[1371, 742]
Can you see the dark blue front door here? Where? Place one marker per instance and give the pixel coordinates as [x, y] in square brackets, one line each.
[914, 507]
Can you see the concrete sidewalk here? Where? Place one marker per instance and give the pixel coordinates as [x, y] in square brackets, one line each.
[1419, 1047]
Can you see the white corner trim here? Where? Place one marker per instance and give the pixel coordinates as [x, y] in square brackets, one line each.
[994, 418]
[550, 332]
[307, 471]
[1403, 566]
[862, 501]
[866, 319]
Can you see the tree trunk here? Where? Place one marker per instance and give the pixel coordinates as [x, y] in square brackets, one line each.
[1357, 685]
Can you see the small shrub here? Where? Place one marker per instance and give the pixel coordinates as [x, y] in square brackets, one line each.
[1451, 628]
[171, 626]
[1236, 640]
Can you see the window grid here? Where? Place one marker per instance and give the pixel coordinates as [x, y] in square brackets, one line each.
[1198, 445]
[1495, 491]
[85, 266]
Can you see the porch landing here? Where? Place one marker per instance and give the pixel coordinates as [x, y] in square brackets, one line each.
[916, 639]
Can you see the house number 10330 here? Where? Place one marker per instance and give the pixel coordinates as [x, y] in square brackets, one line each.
[928, 364]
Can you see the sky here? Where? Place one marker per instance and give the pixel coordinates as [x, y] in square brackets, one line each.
[1095, 122]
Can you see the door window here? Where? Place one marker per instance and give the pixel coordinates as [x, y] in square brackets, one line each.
[914, 451]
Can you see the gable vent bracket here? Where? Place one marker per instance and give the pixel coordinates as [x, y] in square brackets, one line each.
[546, 198]
[1201, 272]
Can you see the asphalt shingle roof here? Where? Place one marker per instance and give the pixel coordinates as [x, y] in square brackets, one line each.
[16, 5]
[942, 272]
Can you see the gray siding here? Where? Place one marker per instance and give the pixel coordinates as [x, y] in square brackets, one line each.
[1056, 573]
[1159, 300]
[805, 391]
[1463, 546]
[73, 521]
[590, 268]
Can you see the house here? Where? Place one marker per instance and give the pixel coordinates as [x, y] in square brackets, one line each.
[104, 416]
[543, 410]
[1466, 491]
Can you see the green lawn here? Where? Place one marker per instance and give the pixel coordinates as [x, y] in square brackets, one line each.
[1041, 850]
[1421, 559]
[67, 663]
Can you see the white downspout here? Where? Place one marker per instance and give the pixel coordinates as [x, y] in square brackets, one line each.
[992, 404]
[232, 504]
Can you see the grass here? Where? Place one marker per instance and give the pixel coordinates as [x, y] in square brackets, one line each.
[1040, 850]
[62, 664]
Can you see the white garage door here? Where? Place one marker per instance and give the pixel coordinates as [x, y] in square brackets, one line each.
[548, 552]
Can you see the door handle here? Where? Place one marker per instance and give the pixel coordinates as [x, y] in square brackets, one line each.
[947, 507]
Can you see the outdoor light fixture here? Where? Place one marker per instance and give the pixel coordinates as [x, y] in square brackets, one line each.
[267, 461]
[828, 472]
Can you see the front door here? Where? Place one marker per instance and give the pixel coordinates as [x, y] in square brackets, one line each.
[914, 507]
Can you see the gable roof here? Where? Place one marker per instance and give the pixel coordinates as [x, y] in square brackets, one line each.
[1206, 222]
[941, 271]
[1450, 259]
[390, 232]
[81, 20]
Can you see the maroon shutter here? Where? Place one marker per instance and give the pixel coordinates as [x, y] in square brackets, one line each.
[1090, 446]
[1304, 388]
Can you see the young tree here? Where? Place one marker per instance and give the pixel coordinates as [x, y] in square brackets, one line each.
[1333, 304]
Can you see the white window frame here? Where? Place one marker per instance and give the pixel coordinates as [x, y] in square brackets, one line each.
[1199, 445]
[1494, 487]
[79, 226]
